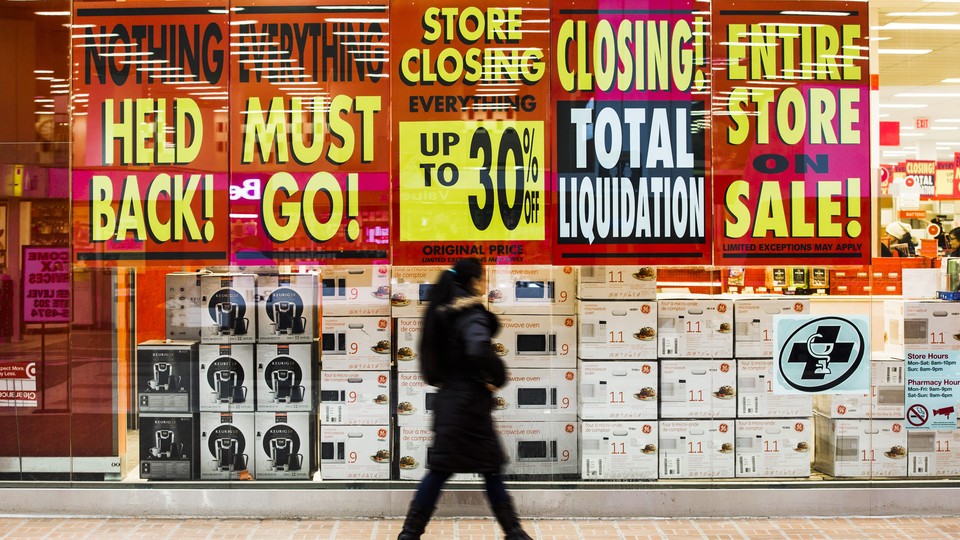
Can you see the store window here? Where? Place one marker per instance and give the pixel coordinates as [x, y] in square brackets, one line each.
[219, 226]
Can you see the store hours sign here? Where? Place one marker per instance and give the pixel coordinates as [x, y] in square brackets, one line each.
[46, 284]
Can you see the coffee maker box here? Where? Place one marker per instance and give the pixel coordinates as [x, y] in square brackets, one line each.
[696, 449]
[355, 452]
[226, 446]
[537, 395]
[168, 446]
[540, 448]
[227, 378]
[920, 325]
[286, 445]
[617, 283]
[774, 448]
[933, 453]
[755, 397]
[229, 308]
[621, 330]
[286, 377]
[885, 400]
[619, 450]
[409, 333]
[410, 289]
[531, 290]
[695, 328]
[698, 389]
[860, 448]
[166, 376]
[355, 290]
[753, 323]
[355, 397]
[532, 341]
[183, 305]
[356, 343]
[287, 308]
[415, 450]
[618, 390]
[415, 399]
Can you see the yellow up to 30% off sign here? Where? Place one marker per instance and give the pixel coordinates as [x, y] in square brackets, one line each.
[468, 181]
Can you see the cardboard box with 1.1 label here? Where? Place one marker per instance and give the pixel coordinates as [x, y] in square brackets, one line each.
[228, 306]
[227, 443]
[695, 328]
[286, 377]
[618, 390]
[696, 449]
[885, 400]
[286, 445]
[619, 450]
[617, 283]
[355, 397]
[933, 453]
[753, 318]
[356, 343]
[774, 448]
[537, 341]
[227, 377]
[355, 291]
[920, 325]
[698, 389]
[355, 452]
[537, 395]
[288, 308]
[860, 448]
[531, 290]
[755, 396]
[619, 330]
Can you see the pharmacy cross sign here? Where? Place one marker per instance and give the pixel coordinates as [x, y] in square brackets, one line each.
[821, 354]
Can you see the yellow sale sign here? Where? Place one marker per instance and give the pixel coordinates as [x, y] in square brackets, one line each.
[471, 180]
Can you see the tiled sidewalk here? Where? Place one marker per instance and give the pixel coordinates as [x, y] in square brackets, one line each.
[480, 529]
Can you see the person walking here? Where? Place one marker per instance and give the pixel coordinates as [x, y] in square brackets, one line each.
[456, 355]
[953, 243]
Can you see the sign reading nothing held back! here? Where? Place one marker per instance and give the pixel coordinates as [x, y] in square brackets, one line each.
[791, 134]
[631, 96]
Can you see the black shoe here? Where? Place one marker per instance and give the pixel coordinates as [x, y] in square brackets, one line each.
[507, 518]
[415, 523]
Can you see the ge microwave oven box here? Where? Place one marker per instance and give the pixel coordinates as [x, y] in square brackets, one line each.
[695, 328]
[228, 308]
[288, 308]
[933, 453]
[537, 395]
[166, 376]
[698, 389]
[885, 400]
[619, 450]
[696, 449]
[183, 306]
[620, 330]
[920, 325]
[415, 399]
[415, 449]
[355, 397]
[774, 448]
[286, 376]
[410, 289]
[537, 341]
[617, 283]
[227, 377]
[355, 291]
[286, 445]
[356, 343]
[860, 448]
[531, 290]
[755, 397]
[168, 446]
[355, 452]
[618, 390]
[753, 323]
[227, 445]
[540, 448]
[409, 332]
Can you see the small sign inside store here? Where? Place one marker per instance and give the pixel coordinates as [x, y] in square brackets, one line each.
[922, 123]
[46, 284]
[18, 384]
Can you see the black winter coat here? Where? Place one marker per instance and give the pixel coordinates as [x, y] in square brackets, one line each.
[465, 439]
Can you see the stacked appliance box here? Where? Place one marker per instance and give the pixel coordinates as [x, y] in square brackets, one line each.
[697, 387]
[618, 373]
[536, 410]
[355, 434]
[774, 432]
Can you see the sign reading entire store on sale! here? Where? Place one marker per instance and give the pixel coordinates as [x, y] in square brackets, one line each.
[309, 96]
[150, 157]
[469, 103]
[791, 167]
[631, 96]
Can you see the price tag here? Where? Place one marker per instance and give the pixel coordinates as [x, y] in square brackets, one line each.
[463, 181]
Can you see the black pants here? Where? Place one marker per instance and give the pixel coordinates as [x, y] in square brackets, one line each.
[429, 490]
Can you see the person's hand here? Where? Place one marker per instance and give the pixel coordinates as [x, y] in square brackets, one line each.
[493, 389]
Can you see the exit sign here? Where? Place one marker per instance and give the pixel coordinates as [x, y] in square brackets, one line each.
[923, 123]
